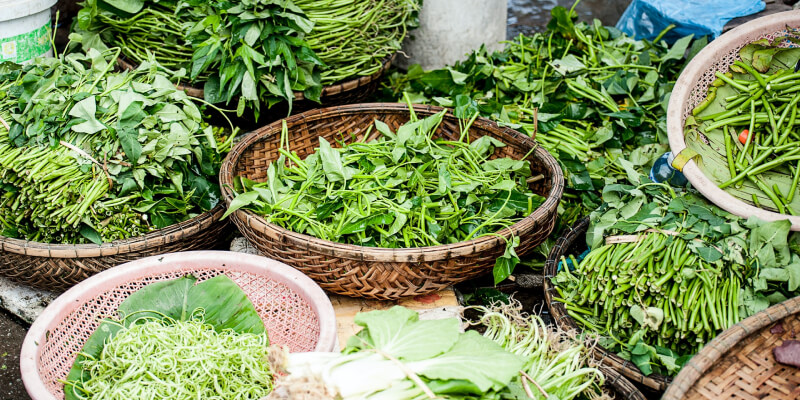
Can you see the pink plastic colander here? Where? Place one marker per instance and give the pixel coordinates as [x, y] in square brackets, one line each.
[296, 312]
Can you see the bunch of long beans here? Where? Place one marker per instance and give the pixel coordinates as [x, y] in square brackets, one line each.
[689, 300]
[759, 126]
[354, 37]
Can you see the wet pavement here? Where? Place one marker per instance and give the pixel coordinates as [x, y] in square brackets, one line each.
[12, 332]
[528, 16]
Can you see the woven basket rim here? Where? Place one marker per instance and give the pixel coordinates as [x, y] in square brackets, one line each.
[576, 232]
[169, 234]
[328, 90]
[724, 342]
[353, 251]
[682, 92]
[620, 385]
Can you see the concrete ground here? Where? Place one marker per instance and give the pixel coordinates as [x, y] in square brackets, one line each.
[12, 332]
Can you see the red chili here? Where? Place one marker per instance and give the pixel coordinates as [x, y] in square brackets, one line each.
[743, 136]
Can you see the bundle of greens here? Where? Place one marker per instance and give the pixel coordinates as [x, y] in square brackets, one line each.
[667, 272]
[592, 96]
[354, 38]
[746, 128]
[175, 339]
[252, 49]
[403, 189]
[92, 156]
[398, 356]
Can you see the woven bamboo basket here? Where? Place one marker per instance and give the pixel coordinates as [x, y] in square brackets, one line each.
[57, 267]
[619, 387]
[376, 272]
[573, 241]
[691, 89]
[739, 364]
[351, 91]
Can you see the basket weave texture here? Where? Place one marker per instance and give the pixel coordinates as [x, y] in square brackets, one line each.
[56, 267]
[375, 272]
[619, 387]
[738, 364]
[573, 241]
[351, 91]
[294, 310]
[691, 89]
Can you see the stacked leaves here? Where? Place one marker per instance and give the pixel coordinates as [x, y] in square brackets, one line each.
[88, 155]
[592, 96]
[404, 189]
[354, 38]
[251, 49]
[690, 271]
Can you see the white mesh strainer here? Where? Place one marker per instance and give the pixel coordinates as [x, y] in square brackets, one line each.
[691, 87]
[295, 310]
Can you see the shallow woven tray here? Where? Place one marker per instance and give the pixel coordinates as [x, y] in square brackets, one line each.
[691, 88]
[376, 272]
[56, 267]
[738, 364]
[573, 241]
[351, 91]
[295, 311]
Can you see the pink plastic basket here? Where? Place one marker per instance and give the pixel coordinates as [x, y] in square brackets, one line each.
[296, 312]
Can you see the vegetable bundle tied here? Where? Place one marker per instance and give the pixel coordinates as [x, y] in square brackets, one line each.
[253, 49]
[88, 155]
[750, 141]
[403, 189]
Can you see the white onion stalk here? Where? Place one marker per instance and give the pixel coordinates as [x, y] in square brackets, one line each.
[558, 365]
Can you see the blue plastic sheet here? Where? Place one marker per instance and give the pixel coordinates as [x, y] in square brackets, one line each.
[645, 19]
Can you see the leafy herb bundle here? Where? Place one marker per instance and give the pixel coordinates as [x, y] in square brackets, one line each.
[89, 155]
[659, 297]
[592, 96]
[403, 189]
[252, 49]
[746, 128]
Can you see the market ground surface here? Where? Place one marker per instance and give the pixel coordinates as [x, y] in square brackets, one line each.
[12, 333]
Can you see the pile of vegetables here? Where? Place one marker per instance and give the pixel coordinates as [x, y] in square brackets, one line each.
[402, 189]
[251, 50]
[666, 272]
[354, 38]
[746, 127]
[398, 356]
[592, 96]
[256, 51]
[177, 339]
[88, 155]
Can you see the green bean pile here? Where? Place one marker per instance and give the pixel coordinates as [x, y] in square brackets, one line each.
[354, 37]
[759, 126]
[166, 359]
[653, 289]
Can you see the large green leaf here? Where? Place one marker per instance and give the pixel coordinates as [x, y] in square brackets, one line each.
[224, 305]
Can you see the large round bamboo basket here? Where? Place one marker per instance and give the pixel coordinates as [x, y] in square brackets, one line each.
[377, 272]
[57, 267]
[739, 363]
